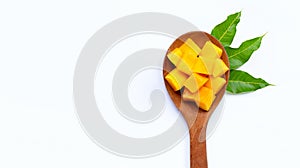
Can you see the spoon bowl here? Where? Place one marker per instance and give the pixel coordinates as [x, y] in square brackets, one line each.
[195, 117]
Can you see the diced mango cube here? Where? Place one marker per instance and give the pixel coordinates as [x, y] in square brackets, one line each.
[200, 66]
[186, 63]
[211, 50]
[219, 50]
[205, 99]
[198, 72]
[220, 68]
[187, 95]
[194, 82]
[210, 63]
[186, 49]
[176, 79]
[193, 45]
[215, 84]
[175, 56]
[189, 46]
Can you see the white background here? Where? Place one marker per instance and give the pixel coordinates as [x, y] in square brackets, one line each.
[40, 42]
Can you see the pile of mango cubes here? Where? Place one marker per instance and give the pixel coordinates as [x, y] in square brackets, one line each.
[198, 73]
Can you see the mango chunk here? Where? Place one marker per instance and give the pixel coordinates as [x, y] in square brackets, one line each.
[219, 50]
[198, 73]
[210, 64]
[216, 84]
[194, 82]
[175, 56]
[186, 49]
[193, 45]
[220, 68]
[187, 95]
[186, 63]
[176, 79]
[189, 46]
[211, 50]
[205, 99]
[200, 66]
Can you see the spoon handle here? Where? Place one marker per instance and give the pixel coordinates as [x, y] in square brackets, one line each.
[198, 154]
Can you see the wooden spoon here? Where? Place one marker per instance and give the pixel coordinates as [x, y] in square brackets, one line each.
[195, 117]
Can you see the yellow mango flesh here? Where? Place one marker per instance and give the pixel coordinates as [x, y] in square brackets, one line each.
[187, 95]
[189, 46]
[193, 45]
[198, 72]
[220, 68]
[210, 50]
[175, 56]
[200, 67]
[210, 64]
[205, 98]
[219, 50]
[215, 84]
[194, 82]
[187, 62]
[176, 79]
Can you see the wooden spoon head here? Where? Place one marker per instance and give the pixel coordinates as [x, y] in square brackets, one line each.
[191, 112]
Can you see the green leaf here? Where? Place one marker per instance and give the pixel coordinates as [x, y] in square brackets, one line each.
[226, 30]
[242, 82]
[239, 56]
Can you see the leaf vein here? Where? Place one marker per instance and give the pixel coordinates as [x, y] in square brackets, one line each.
[229, 27]
[246, 82]
[243, 50]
